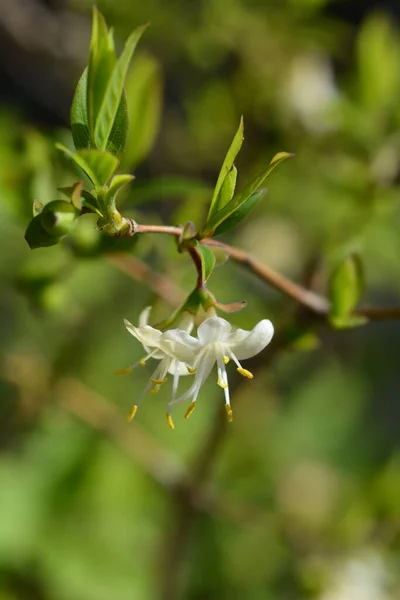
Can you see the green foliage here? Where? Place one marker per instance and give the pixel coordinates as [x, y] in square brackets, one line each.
[207, 261]
[236, 203]
[346, 288]
[112, 96]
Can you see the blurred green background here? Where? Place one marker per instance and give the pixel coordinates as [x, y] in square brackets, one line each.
[300, 496]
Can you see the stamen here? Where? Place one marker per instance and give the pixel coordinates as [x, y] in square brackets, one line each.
[229, 414]
[190, 410]
[245, 372]
[123, 371]
[158, 381]
[132, 412]
[170, 421]
[226, 359]
[143, 361]
[154, 389]
[222, 383]
[191, 371]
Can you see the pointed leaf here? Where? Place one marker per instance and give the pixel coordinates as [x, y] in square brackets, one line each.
[238, 200]
[227, 166]
[227, 190]
[114, 91]
[241, 212]
[79, 114]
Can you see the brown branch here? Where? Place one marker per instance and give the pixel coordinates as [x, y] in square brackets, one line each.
[317, 303]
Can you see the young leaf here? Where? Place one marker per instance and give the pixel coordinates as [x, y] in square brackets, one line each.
[237, 201]
[79, 114]
[117, 182]
[207, 261]
[114, 91]
[346, 288]
[101, 163]
[97, 164]
[227, 190]
[241, 212]
[226, 167]
[102, 60]
[78, 160]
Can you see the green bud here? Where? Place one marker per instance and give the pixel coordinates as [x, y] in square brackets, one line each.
[58, 217]
[37, 236]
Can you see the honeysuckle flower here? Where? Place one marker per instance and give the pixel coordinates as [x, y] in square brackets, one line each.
[216, 343]
[163, 350]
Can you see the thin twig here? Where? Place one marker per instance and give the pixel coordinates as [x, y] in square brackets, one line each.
[315, 302]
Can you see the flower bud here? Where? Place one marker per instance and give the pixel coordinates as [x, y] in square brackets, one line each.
[58, 218]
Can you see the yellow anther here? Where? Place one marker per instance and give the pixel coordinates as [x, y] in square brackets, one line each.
[154, 389]
[142, 362]
[170, 421]
[191, 371]
[245, 373]
[132, 413]
[226, 359]
[229, 414]
[123, 372]
[222, 384]
[158, 381]
[190, 410]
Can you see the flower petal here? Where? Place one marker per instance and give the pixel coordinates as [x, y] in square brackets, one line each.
[213, 329]
[180, 345]
[144, 317]
[245, 344]
[148, 336]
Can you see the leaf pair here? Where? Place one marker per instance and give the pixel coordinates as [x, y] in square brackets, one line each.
[99, 114]
[227, 209]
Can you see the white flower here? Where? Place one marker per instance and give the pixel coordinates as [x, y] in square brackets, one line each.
[163, 350]
[216, 343]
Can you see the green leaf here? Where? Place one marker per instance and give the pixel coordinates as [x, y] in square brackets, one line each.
[117, 182]
[207, 261]
[119, 133]
[102, 61]
[227, 190]
[114, 92]
[101, 163]
[78, 160]
[97, 164]
[346, 288]
[87, 198]
[226, 167]
[79, 114]
[144, 97]
[241, 212]
[237, 201]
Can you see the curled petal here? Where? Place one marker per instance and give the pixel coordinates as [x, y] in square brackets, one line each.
[214, 329]
[148, 336]
[144, 316]
[245, 344]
